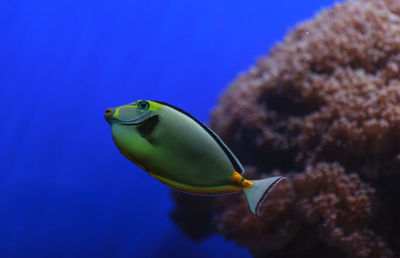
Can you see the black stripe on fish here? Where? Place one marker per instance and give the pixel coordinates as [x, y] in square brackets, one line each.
[147, 127]
[235, 162]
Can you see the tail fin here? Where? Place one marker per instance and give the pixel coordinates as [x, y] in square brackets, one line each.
[258, 192]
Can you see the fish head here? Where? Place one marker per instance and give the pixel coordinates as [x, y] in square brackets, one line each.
[130, 125]
[131, 114]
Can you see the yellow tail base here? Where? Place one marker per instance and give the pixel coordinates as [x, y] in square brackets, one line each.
[238, 179]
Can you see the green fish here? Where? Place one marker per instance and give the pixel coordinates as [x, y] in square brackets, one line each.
[180, 151]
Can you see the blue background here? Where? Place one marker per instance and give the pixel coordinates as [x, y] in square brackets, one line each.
[65, 190]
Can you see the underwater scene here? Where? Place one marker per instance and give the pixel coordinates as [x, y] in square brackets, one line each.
[200, 128]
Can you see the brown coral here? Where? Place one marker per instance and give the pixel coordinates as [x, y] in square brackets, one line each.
[329, 93]
[322, 209]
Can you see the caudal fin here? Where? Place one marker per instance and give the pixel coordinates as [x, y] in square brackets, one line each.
[258, 192]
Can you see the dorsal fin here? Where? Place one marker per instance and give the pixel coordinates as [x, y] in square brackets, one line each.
[232, 158]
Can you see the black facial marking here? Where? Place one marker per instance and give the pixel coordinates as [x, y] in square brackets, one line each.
[147, 127]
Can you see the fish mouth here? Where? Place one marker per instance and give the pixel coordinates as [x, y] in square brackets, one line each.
[137, 120]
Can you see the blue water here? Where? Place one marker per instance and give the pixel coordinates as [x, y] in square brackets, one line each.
[65, 190]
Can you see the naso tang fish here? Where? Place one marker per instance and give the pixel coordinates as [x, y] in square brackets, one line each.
[180, 151]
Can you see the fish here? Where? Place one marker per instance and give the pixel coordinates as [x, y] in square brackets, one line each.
[180, 151]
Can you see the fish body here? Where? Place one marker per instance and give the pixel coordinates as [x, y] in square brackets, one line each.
[180, 151]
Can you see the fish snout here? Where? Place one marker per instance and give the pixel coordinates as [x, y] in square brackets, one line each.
[109, 114]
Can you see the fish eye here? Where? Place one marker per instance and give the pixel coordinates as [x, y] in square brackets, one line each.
[143, 105]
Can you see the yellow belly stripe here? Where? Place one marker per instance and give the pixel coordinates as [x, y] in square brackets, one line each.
[203, 190]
